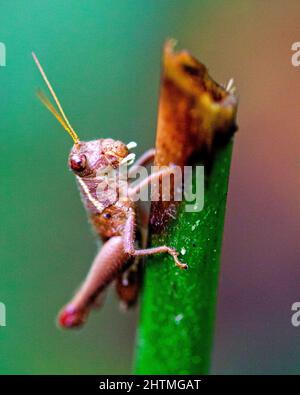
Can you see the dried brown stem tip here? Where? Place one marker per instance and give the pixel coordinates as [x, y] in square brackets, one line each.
[195, 115]
[194, 111]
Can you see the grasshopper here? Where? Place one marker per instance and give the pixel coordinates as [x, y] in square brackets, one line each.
[113, 219]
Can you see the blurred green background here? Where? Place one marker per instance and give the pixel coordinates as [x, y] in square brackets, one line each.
[103, 58]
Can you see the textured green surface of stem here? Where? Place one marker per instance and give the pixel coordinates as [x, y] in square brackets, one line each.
[178, 307]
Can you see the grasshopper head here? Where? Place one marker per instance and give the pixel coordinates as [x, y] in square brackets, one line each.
[89, 157]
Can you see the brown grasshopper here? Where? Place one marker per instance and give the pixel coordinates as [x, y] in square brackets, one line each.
[114, 219]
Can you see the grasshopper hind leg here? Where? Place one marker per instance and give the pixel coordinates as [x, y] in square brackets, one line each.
[110, 261]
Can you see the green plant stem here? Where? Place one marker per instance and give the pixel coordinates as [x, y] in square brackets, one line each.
[176, 327]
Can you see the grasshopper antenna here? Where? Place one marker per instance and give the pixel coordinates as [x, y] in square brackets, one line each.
[63, 119]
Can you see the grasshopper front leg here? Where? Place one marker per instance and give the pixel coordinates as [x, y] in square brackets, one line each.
[110, 261]
[129, 241]
[146, 158]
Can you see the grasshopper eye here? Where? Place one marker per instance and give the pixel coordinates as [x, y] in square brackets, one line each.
[107, 215]
[78, 162]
